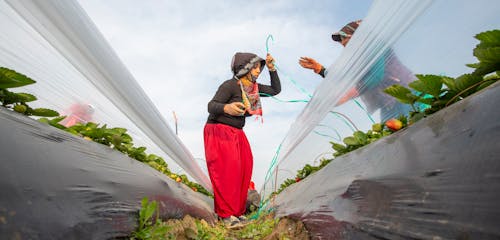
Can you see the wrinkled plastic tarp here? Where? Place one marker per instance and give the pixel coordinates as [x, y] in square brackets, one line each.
[436, 179]
[58, 186]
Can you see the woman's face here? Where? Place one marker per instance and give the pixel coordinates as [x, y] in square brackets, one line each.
[255, 71]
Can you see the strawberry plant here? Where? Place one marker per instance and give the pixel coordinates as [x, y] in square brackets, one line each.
[301, 174]
[117, 138]
[360, 139]
[438, 92]
[149, 227]
[18, 101]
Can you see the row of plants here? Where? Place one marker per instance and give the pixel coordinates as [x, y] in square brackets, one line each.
[116, 138]
[426, 95]
[152, 227]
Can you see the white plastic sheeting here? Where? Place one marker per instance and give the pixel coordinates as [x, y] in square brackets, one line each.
[55, 43]
[396, 37]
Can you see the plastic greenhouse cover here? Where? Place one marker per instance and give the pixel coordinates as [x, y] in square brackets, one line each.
[56, 44]
[396, 40]
[437, 179]
[58, 186]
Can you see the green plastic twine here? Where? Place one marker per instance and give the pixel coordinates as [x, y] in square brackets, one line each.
[325, 135]
[346, 120]
[267, 42]
[269, 175]
[295, 84]
[279, 100]
[368, 114]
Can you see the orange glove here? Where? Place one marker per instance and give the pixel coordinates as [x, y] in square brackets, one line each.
[310, 63]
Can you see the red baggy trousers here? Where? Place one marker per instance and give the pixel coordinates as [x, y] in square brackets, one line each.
[229, 161]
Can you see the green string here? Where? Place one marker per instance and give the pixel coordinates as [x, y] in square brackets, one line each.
[339, 138]
[295, 84]
[368, 114]
[346, 120]
[269, 173]
[267, 42]
[279, 100]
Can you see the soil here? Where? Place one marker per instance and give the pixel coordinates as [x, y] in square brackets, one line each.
[186, 229]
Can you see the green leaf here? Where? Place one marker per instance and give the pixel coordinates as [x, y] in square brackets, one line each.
[377, 127]
[26, 97]
[450, 83]
[428, 84]
[473, 65]
[350, 141]
[57, 119]
[10, 79]
[338, 147]
[126, 138]
[141, 149]
[401, 93]
[489, 60]
[488, 39]
[91, 125]
[44, 120]
[154, 165]
[467, 81]
[117, 131]
[44, 112]
[360, 137]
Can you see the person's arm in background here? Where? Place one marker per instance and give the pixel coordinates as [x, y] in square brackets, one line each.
[309, 63]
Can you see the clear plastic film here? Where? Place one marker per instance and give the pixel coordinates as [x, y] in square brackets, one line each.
[395, 41]
[56, 44]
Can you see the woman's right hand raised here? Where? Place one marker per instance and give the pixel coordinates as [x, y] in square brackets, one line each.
[235, 109]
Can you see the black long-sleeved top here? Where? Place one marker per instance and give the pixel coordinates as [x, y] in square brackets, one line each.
[230, 92]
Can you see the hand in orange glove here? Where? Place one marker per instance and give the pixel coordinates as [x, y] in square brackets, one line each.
[310, 63]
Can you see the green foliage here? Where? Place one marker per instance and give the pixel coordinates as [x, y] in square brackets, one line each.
[206, 232]
[149, 227]
[258, 229]
[487, 52]
[11, 79]
[456, 89]
[430, 84]
[360, 139]
[301, 174]
[117, 138]
[17, 101]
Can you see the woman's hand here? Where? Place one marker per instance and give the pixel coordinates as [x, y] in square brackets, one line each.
[270, 63]
[235, 109]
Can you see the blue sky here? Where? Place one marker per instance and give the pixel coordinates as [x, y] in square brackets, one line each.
[180, 51]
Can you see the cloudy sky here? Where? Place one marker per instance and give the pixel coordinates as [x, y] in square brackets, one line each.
[180, 51]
